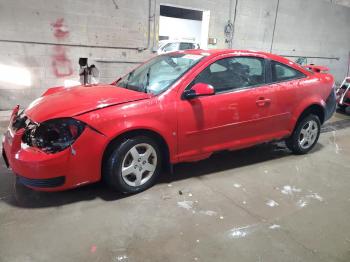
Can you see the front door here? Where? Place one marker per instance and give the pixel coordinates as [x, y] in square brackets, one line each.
[235, 117]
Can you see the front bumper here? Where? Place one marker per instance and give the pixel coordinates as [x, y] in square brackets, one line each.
[77, 165]
[42, 183]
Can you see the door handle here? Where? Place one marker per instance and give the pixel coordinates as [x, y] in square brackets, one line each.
[263, 101]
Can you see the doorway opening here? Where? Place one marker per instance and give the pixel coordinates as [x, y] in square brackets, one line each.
[183, 25]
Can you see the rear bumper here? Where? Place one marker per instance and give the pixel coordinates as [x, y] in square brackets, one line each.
[331, 104]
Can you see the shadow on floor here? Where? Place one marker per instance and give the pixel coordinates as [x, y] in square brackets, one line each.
[226, 160]
[344, 111]
[334, 126]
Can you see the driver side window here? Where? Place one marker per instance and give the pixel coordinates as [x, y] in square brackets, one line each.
[233, 73]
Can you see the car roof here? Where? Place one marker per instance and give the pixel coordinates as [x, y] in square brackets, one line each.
[214, 52]
[217, 52]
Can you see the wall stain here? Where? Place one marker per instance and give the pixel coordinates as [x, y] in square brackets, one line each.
[61, 64]
[115, 4]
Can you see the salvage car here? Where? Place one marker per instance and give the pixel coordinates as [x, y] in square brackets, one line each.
[177, 107]
[343, 94]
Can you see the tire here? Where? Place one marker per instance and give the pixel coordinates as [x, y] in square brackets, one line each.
[127, 168]
[297, 142]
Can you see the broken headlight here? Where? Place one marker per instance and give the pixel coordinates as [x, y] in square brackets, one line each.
[53, 135]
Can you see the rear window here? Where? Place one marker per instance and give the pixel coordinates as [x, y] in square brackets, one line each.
[281, 72]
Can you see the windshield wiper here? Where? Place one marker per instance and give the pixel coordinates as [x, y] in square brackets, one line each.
[116, 82]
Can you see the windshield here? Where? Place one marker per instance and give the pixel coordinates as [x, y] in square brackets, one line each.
[160, 73]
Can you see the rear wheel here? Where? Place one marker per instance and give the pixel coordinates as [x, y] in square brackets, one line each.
[133, 165]
[305, 135]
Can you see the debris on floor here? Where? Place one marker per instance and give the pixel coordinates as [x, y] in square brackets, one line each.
[302, 203]
[315, 196]
[185, 204]
[272, 203]
[274, 226]
[208, 212]
[290, 190]
[240, 232]
[122, 258]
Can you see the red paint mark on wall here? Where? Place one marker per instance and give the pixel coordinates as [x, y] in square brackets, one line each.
[93, 249]
[61, 64]
[60, 30]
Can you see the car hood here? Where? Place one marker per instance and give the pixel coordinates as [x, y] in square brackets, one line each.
[67, 102]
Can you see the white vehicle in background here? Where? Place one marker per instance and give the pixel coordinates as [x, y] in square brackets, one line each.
[166, 46]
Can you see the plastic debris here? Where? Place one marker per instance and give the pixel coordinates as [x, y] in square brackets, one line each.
[272, 203]
[185, 204]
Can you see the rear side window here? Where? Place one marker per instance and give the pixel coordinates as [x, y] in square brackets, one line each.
[233, 73]
[281, 72]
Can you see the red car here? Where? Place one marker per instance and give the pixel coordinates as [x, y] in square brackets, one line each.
[180, 106]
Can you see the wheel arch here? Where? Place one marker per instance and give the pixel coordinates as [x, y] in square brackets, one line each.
[159, 139]
[315, 109]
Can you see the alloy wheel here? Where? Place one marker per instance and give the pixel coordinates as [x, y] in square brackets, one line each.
[308, 134]
[139, 164]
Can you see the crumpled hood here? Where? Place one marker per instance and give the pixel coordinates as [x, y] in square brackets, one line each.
[67, 102]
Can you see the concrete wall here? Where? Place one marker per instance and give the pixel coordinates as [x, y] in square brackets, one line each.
[109, 32]
[303, 28]
[340, 2]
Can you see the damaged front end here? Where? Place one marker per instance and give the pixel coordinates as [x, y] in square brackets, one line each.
[54, 135]
[51, 136]
[52, 155]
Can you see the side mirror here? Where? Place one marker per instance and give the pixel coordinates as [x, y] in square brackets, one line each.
[199, 89]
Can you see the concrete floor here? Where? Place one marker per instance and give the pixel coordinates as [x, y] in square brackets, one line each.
[258, 204]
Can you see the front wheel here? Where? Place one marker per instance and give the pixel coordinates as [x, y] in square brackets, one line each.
[305, 135]
[133, 165]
